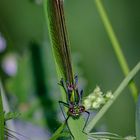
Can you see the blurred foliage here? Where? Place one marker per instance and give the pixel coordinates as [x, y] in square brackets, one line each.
[22, 22]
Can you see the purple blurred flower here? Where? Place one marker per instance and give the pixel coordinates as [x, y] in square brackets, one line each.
[9, 64]
[2, 43]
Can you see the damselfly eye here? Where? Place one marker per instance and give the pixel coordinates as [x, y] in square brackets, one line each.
[82, 108]
[71, 110]
[70, 87]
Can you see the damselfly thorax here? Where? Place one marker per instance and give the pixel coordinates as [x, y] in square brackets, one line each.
[74, 98]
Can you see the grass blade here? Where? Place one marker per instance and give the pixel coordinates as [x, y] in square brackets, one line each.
[116, 45]
[1, 116]
[118, 91]
[138, 119]
[56, 135]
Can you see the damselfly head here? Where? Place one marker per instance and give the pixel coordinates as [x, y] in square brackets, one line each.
[76, 110]
[70, 87]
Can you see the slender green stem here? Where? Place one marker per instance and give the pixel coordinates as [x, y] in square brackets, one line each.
[1, 116]
[57, 132]
[137, 122]
[118, 91]
[116, 45]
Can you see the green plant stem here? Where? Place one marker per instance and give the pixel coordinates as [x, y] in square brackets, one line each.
[118, 91]
[116, 45]
[137, 123]
[1, 116]
[56, 135]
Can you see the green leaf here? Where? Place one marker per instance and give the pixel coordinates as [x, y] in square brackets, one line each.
[57, 132]
[1, 116]
[11, 115]
[138, 119]
[76, 127]
[108, 136]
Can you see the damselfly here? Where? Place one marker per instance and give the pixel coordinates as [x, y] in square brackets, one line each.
[60, 44]
[74, 101]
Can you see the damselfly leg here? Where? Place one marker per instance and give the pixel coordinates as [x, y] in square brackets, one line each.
[88, 115]
[74, 102]
[66, 118]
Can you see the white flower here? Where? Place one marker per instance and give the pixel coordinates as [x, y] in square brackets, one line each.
[97, 99]
[97, 89]
[91, 97]
[87, 104]
[109, 95]
[100, 100]
[95, 105]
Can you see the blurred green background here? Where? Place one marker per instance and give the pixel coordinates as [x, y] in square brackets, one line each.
[27, 67]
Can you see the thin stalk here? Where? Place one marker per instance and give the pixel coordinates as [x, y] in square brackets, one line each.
[116, 94]
[116, 45]
[6, 108]
[1, 116]
[137, 123]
